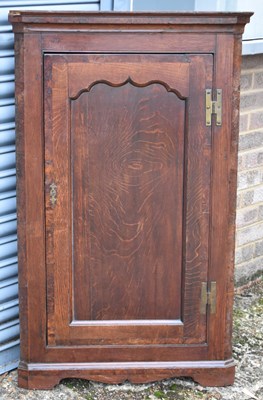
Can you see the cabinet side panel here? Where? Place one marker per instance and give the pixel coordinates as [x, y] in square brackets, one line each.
[31, 204]
[233, 191]
[21, 193]
[223, 199]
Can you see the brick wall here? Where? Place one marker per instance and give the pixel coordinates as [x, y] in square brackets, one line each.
[249, 235]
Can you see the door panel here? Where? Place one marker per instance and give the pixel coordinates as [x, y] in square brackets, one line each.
[127, 202]
[127, 198]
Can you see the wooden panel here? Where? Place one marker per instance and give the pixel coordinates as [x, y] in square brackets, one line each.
[121, 353]
[224, 194]
[57, 166]
[127, 196]
[129, 144]
[86, 156]
[139, 70]
[135, 42]
[31, 238]
[197, 198]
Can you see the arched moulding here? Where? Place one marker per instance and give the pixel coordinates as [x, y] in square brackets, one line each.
[129, 80]
[82, 76]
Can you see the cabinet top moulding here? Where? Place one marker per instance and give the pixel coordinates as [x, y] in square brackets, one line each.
[231, 22]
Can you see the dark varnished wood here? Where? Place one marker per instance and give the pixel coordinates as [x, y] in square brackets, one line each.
[46, 376]
[140, 181]
[110, 275]
[142, 149]
[92, 21]
[126, 193]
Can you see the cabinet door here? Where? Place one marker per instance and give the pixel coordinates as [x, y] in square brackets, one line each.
[127, 184]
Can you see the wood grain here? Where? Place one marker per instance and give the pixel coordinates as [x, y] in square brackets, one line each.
[110, 274]
[139, 70]
[58, 228]
[127, 129]
[231, 22]
[206, 373]
[197, 200]
[128, 227]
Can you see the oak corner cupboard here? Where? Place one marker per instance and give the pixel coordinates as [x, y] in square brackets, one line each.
[127, 130]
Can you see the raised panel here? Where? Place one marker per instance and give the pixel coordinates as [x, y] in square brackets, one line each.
[128, 149]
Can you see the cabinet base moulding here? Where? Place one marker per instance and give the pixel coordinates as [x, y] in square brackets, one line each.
[46, 376]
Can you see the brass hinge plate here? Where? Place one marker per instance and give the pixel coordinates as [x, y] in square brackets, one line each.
[213, 107]
[208, 297]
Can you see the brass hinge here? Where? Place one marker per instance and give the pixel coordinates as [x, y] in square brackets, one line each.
[213, 107]
[208, 297]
